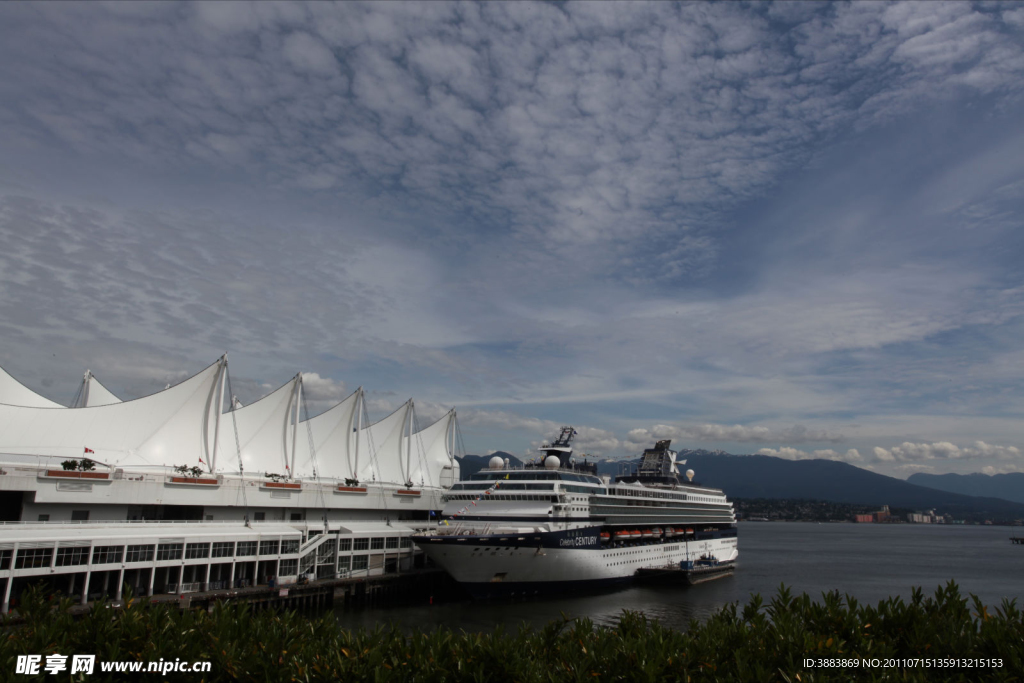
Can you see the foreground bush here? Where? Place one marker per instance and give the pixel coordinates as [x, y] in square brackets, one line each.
[756, 643]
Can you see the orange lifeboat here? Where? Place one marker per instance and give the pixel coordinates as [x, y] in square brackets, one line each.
[634, 534]
[657, 531]
[622, 535]
[605, 537]
[689, 530]
[647, 533]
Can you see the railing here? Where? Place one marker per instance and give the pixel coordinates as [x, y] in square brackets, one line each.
[192, 587]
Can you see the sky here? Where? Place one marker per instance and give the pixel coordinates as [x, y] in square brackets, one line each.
[791, 229]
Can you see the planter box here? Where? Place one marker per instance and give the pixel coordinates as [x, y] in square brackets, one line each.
[194, 481]
[287, 485]
[71, 474]
[406, 492]
[350, 489]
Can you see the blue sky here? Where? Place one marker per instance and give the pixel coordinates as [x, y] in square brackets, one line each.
[789, 228]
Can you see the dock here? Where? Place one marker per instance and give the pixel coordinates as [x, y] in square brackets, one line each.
[1017, 540]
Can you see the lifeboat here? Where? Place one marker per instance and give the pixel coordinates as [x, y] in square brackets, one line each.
[622, 535]
[672, 532]
[647, 533]
[605, 537]
[634, 534]
[689, 531]
[657, 532]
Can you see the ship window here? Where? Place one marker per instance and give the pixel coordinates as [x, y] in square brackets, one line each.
[376, 544]
[269, 547]
[105, 554]
[79, 515]
[345, 544]
[361, 544]
[140, 553]
[392, 542]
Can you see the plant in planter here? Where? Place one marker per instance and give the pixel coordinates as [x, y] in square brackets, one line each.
[351, 482]
[196, 471]
[69, 465]
[86, 465]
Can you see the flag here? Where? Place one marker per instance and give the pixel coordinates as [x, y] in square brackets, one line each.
[506, 476]
[89, 450]
[201, 459]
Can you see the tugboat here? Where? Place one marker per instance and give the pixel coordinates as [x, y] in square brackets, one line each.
[554, 525]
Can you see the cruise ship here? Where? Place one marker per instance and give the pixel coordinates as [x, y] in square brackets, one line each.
[555, 525]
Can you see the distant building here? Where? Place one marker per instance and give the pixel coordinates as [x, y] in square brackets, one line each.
[864, 518]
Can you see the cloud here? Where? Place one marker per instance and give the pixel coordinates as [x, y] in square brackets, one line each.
[730, 433]
[852, 455]
[944, 450]
[590, 440]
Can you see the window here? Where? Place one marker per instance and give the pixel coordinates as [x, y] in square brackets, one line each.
[268, 547]
[169, 551]
[345, 544]
[226, 549]
[288, 567]
[361, 544]
[406, 542]
[69, 557]
[79, 515]
[377, 544]
[343, 563]
[44, 518]
[289, 546]
[30, 558]
[359, 562]
[195, 551]
[140, 553]
[106, 554]
[296, 516]
[259, 516]
[391, 542]
[246, 548]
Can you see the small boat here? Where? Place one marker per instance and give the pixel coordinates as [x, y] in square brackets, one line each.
[605, 537]
[657, 531]
[647, 533]
[622, 535]
[635, 535]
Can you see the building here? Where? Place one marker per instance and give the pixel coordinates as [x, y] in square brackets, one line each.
[170, 493]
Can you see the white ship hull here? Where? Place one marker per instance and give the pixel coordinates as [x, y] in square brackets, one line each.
[499, 565]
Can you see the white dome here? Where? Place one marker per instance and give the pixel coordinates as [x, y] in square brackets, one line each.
[552, 462]
[495, 463]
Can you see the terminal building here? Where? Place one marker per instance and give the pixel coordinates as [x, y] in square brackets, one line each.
[171, 493]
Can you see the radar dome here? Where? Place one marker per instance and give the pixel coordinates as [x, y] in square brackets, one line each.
[495, 463]
[552, 462]
[689, 474]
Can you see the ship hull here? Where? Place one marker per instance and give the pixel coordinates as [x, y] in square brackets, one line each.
[513, 564]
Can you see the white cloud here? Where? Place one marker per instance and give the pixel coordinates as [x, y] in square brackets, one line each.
[944, 450]
[850, 456]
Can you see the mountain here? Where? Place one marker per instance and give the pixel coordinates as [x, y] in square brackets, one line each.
[762, 476]
[1005, 486]
[471, 464]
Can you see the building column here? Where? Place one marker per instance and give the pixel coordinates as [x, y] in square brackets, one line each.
[106, 583]
[231, 581]
[120, 584]
[152, 578]
[71, 584]
[205, 583]
[85, 588]
[5, 607]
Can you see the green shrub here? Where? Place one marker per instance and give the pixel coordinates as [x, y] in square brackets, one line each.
[760, 642]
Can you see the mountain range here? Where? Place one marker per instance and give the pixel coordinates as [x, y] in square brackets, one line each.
[763, 476]
[1009, 486]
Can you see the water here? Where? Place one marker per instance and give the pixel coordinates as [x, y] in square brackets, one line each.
[868, 561]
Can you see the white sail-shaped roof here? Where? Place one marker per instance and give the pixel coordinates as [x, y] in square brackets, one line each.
[265, 433]
[431, 458]
[381, 456]
[14, 393]
[334, 439]
[173, 427]
[95, 394]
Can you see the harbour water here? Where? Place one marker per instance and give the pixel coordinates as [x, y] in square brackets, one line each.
[868, 561]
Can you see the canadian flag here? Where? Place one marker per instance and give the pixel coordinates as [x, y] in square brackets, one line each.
[89, 450]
